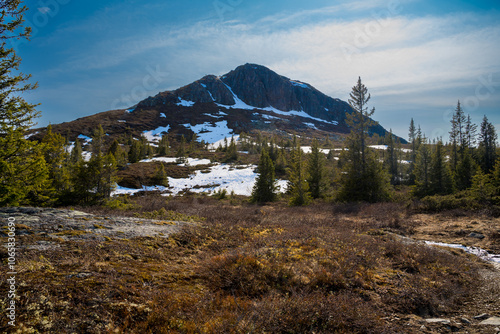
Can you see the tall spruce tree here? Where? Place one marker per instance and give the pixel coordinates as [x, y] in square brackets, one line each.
[316, 171]
[391, 158]
[412, 137]
[23, 171]
[297, 185]
[487, 145]
[363, 177]
[439, 174]
[264, 189]
[422, 170]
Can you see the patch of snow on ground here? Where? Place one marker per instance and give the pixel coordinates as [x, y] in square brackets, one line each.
[481, 253]
[240, 180]
[163, 115]
[379, 147]
[189, 161]
[129, 110]
[311, 125]
[185, 103]
[299, 84]
[307, 149]
[155, 135]
[209, 132]
[300, 114]
[86, 140]
[122, 121]
[214, 146]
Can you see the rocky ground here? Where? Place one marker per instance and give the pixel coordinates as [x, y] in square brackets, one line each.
[481, 314]
[44, 229]
[49, 226]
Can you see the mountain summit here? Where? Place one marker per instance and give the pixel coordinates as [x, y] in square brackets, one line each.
[248, 98]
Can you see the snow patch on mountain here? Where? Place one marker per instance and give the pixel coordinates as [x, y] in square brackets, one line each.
[185, 103]
[209, 132]
[155, 135]
[299, 84]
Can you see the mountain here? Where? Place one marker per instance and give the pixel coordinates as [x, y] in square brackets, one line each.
[249, 98]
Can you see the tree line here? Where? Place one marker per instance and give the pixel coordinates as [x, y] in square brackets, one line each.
[468, 165]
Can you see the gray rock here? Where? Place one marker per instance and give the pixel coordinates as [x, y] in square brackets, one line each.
[494, 321]
[476, 235]
[465, 321]
[438, 321]
[482, 316]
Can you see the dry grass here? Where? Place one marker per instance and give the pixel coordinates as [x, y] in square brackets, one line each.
[244, 269]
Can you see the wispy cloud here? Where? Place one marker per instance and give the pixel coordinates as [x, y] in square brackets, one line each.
[399, 57]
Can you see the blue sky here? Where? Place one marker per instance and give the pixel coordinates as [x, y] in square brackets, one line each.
[417, 57]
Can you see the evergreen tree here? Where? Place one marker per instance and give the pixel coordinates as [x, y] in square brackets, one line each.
[181, 152]
[264, 189]
[118, 153]
[363, 177]
[134, 154]
[76, 153]
[231, 152]
[422, 170]
[487, 145]
[412, 137]
[316, 171]
[164, 146]
[57, 159]
[297, 185]
[23, 171]
[391, 159]
[465, 171]
[439, 174]
[97, 141]
[160, 178]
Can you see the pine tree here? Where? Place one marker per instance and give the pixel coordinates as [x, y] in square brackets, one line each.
[487, 145]
[264, 189]
[465, 171]
[23, 171]
[412, 137]
[439, 175]
[160, 178]
[181, 152]
[316, 171]
[76, 153]
[134, 154]
[391, 159]
[164, 146]
[363, 177]
[231, 152]
[422, 170]
[97, 141]
[457, 135]
[118, 153]
[57, 159]
[297, 185]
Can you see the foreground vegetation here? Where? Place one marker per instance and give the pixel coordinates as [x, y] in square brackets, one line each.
[242, 268]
